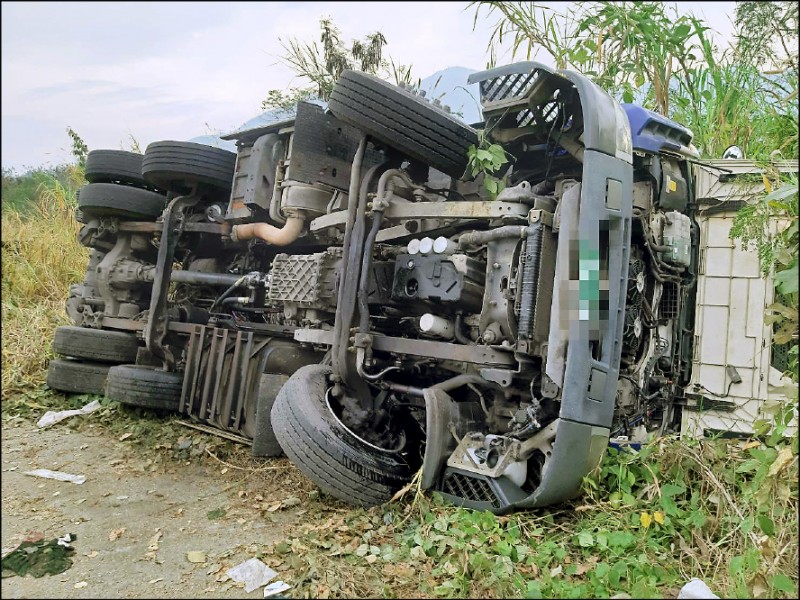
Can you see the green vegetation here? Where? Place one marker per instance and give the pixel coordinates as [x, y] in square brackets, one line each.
[649, 53]
[650, 520]
[321, 67]
[487, 159]
[41, 259]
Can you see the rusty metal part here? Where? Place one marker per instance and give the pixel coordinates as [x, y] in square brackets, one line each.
[215, 431]
[158, 319]
[434, 210]
[154, 227]
[222, 372]
[482, 355]
[276, 236]
[478, 238]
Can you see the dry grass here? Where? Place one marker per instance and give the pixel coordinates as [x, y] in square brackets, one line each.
[41, 258]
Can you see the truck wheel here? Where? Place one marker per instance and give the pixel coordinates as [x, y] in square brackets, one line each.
[95, 344]
[178, 166]
[114, 166]
[264, 441]
[147, 387]
[123, 201]
[403, 121]
[341, 464]
[76, 376]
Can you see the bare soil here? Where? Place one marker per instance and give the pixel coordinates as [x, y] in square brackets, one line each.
[126, 502]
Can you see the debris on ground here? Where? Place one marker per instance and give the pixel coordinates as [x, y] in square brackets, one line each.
[51, 416]
[253, 573]
[57, 475]
[696, 589]
[39, 558]
[116, 534]
[273, 589]
[195, 556]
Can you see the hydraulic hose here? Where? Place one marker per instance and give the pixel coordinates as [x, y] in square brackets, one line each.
[460, 337]
[282, 236]
[366, 265]
[478, 238]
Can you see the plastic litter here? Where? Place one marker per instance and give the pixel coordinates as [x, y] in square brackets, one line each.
[273, 589]
[51, 416]
[253, 573]
[696, 589]
[57, 475]
[40, 558]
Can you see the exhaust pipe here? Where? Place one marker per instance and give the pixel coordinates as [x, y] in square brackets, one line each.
[277, 236]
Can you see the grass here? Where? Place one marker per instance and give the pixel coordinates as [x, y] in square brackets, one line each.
[41, 257]
[649, 521]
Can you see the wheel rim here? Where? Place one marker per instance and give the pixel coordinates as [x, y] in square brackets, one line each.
[358, 437]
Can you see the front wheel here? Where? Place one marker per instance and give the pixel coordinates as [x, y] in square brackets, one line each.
[339, 462]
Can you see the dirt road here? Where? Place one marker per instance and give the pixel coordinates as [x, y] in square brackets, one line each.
[136, 519]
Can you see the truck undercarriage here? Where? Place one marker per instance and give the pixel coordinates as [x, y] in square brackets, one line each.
[339, 291]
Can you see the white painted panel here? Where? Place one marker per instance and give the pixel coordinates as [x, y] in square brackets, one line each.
[718, 262]
[719, 227]
[756, 301]
[712, 337]
[712, 377]
[741, 349]
[745, 263]
[716, 291]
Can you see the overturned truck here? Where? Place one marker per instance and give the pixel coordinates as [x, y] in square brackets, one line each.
[339, 290]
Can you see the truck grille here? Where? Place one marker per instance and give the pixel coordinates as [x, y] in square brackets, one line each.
[469, 488]
[506, 86]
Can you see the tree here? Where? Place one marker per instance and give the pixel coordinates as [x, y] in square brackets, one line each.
[621, 45]
[322, 64]
[79, 148]
[668, 62]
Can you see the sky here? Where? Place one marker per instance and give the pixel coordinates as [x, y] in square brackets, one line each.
[149, 71]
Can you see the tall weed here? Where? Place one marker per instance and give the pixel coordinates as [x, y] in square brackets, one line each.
[41, 257]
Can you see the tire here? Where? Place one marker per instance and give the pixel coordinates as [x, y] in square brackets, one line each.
[114, 166]
[123, 201]
[146, 387]
[403, 121]
[264, 441]
[77, 377]
[96, 344]
[177, 166]
[342, 465]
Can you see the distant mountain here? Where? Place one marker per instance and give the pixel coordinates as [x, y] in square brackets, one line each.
[449, 86]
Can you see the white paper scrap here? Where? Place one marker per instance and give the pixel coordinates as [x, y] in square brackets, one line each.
[57, 475]
[51, 417]
[253, 573]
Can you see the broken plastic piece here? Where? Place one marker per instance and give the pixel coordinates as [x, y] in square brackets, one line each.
[57, 475]
[39, 558]
[51, 417]
[696, 589]
[273, 589]
[253, 573]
